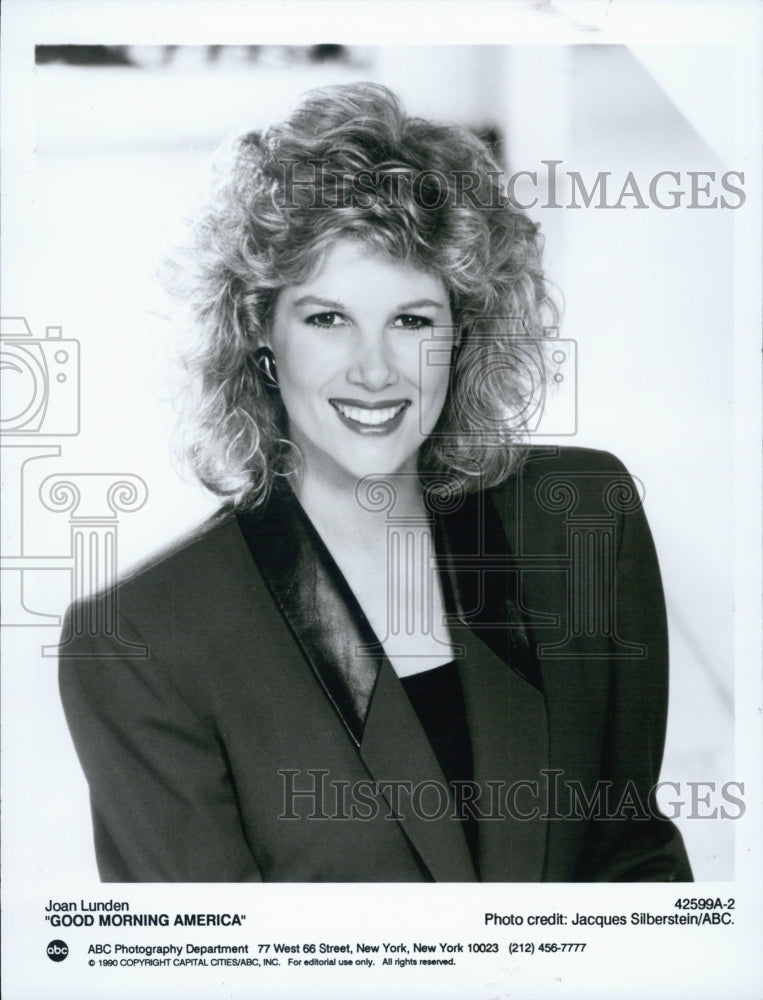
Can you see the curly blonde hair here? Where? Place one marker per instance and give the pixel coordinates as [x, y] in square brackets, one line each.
[350, 163]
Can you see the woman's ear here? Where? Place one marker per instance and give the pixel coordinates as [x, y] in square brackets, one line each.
[266, 362]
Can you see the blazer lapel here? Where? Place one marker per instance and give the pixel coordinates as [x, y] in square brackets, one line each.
[507, 721]
[398, 754]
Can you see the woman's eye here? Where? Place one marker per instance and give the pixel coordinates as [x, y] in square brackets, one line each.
[326, 320]
[409, 322]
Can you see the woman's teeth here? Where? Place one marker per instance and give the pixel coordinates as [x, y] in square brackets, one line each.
[371, 418]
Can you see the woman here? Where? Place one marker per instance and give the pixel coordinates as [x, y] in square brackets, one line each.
[406, 648]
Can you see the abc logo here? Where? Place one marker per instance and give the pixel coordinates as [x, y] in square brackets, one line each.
[57, 951]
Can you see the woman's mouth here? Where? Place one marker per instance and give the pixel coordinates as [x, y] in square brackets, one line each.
[371, 418]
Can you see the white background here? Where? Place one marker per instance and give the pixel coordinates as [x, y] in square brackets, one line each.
[100, 165]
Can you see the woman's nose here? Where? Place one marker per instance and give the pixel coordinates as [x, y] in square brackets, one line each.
[373, 366]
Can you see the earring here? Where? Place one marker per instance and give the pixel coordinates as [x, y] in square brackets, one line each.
[266, 362]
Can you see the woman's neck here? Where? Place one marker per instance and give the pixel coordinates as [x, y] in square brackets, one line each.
[357, 510]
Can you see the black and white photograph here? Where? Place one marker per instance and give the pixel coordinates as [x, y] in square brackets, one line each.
[381, 489]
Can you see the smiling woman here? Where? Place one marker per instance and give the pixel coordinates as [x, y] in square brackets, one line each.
[348, 347]
[404, 620]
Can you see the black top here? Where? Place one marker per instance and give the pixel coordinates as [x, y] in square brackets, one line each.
[438, 699]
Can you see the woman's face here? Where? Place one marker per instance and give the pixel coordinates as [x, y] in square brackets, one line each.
[359, 389]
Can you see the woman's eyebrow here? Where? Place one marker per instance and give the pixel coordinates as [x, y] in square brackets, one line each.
[421, 303]
[340, 306]
[317, 301]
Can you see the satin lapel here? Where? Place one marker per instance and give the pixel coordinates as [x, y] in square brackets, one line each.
[315, 600]
[501, 682]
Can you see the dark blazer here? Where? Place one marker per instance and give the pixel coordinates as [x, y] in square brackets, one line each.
[229, 731]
